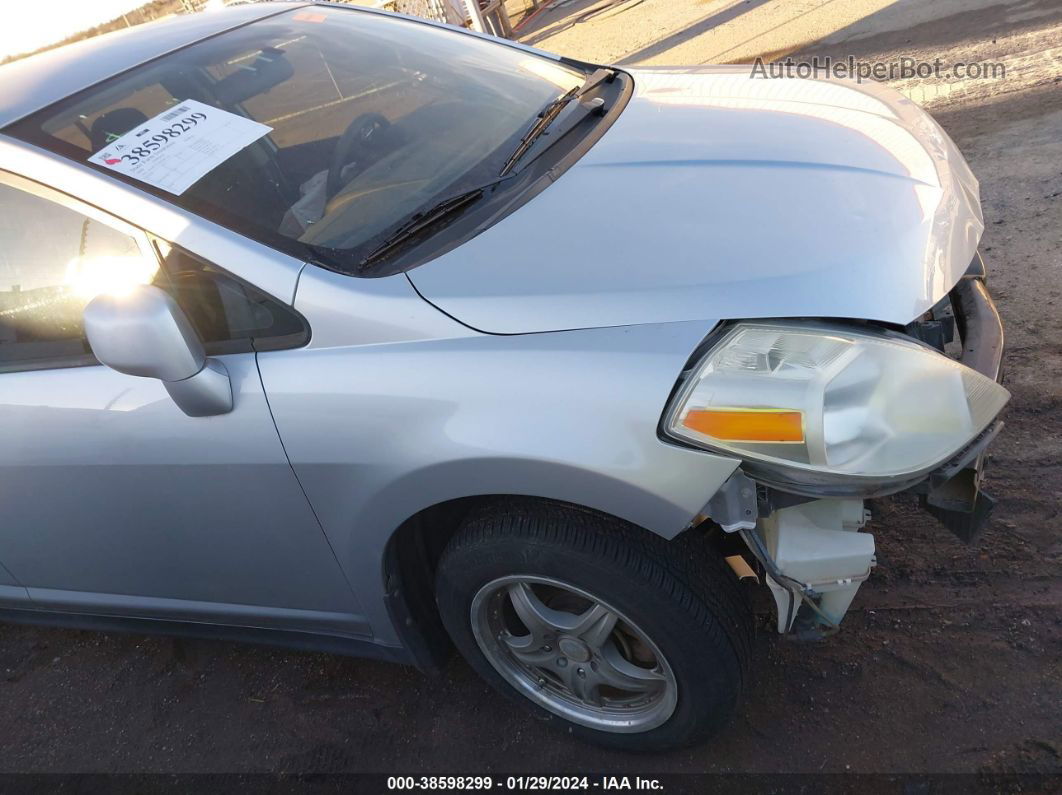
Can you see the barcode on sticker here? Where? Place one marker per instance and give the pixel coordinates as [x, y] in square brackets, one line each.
[173, 114]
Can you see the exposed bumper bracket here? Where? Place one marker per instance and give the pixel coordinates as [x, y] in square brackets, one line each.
[733, 507]
[953, 493]
[980, 328]
[961, 506]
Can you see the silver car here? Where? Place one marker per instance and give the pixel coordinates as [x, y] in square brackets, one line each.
[337, 329]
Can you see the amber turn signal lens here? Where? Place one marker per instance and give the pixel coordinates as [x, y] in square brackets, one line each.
[747, 425]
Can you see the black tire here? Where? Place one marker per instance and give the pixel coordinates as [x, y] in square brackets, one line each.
[680, 593]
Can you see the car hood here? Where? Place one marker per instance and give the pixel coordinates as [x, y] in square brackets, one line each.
[718, 196]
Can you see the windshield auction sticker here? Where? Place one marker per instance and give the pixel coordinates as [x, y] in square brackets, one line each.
[176, 148]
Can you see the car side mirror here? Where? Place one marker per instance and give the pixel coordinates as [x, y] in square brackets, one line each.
[144, 332]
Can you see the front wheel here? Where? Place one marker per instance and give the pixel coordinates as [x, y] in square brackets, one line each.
[628, 640]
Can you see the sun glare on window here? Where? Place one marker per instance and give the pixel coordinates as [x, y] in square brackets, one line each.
[88, 277]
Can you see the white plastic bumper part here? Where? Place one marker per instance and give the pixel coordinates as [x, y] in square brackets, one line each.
[818, 545]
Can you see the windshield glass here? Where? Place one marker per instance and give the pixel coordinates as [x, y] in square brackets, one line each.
[367, 119]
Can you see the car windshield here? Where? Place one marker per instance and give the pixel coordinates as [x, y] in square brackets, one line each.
[365, 119]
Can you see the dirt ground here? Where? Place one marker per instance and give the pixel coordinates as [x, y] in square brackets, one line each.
[951, 660]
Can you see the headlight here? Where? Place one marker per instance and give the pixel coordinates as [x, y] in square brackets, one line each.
[826, 405]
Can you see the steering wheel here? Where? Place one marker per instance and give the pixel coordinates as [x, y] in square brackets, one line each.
[361, 134]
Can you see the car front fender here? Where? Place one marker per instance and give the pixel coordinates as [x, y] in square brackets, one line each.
[378, 432]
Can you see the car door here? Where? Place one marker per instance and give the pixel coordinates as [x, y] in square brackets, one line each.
[11, 593]
[114, 501]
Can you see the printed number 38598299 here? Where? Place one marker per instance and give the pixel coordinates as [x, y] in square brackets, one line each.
[150, 145]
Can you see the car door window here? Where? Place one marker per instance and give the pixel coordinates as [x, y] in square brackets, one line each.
[53, 260]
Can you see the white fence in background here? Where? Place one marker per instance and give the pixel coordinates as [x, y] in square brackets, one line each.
[489, 16]
[439, 10]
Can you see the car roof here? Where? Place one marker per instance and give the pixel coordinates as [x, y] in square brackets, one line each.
[32, 83]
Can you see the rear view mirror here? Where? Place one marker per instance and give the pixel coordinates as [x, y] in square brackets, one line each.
[143, 332]
[270, 68]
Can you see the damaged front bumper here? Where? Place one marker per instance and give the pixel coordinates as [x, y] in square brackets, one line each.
[811, 550]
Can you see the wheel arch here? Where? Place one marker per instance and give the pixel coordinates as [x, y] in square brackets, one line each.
[412, 553]
[409, 566]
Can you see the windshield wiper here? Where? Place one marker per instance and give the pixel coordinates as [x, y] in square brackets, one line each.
[424, 219]
[549, 114]
[453, 205]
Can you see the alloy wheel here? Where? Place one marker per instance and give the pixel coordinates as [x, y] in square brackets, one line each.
[574, 654]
